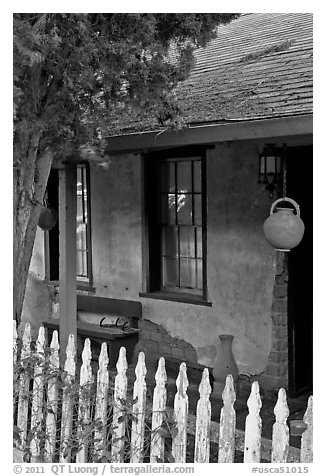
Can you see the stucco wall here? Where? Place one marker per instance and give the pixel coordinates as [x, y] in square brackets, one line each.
[240, 265]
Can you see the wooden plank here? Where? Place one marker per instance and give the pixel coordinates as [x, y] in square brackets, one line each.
[307, 436]
[67, 402]
[101, 305]
[280, 436]
[92, 330]
[119, 412]
[67, 255]
[253, 427]
[203, 420]
[158, 409]
[101, 406]
[179, 440]
[227, 424]
[138, 411]
[37, 397]
[23, 395]
[52, 401]
[84, 405]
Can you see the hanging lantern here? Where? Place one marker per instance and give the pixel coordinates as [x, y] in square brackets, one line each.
[283, 229]
[48, 218]
[271, 168]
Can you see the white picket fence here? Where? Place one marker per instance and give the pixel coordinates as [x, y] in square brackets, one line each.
[48, 422]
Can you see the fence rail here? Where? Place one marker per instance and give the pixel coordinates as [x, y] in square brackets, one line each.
[91, 419]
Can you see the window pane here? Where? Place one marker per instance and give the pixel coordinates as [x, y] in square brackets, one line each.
[197, 177]
[84, 193]
[170, 241]
[170, 272]
[81, 264]
[180, 220]
[168, 209]
[79, 196]
[79, 180]
[184, 176]
[81, 236]
[79, 209]
[187, 241]
[198, 209]
[199, 273]
[167, 177]
[184, 209]
[199, 243]
[188, 273]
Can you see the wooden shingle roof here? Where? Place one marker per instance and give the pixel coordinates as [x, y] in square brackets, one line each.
[258, 67]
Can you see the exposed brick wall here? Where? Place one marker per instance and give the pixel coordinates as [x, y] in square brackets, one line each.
[156, 342]
[276, 372]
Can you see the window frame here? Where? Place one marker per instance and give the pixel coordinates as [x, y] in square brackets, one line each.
[152, 240]
[82, 283]
[89, 279]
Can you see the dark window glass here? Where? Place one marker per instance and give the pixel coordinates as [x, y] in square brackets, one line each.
[175, 224]
[82, 241]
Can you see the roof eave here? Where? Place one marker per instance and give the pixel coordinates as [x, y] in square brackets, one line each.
[212, 133]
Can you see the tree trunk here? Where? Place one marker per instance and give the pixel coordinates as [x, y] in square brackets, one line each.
[31, 172]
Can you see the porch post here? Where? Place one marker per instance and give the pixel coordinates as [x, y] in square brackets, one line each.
[67, 255]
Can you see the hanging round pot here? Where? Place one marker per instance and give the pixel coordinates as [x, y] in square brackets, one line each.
[48, 218]
[283, 229]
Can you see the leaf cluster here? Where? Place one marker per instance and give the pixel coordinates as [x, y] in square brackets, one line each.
[74, 72]
[86, 428]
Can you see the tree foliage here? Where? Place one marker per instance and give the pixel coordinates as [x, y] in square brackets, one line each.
[71, 72]
[71, 69]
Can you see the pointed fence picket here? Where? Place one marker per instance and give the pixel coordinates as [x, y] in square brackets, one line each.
[253, 427]
[101, 406]
[306, 455]
[84, 409]
[38, 406]
[52, 400]
[227, 424]
[119, 408]
[23, 393]
[179, 441]
[159, 407]
[203, 420]
[139, 409]
[67, 402]
[38, 395]
[280, 437]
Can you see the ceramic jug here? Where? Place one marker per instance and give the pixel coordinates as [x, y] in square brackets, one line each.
[48, 218]
[283, 229]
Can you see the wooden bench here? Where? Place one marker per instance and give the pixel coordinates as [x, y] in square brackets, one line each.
[115, 335]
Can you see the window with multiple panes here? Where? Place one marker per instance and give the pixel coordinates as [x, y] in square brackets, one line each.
[83, 231]
[175, 199]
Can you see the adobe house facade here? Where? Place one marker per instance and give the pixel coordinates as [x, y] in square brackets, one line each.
[214, 274]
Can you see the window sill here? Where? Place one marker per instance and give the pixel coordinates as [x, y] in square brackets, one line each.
[80, 285]
[177, 297]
